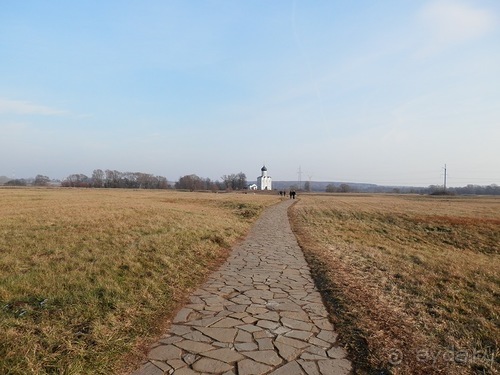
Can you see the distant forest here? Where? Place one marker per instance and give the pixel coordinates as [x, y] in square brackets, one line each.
[234, 181]
[354, 187]
[135, 180]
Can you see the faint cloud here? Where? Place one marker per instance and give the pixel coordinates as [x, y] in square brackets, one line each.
[12, 127]
[450, 22]
[22, 107]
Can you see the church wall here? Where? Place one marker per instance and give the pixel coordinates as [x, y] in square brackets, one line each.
[264, 183]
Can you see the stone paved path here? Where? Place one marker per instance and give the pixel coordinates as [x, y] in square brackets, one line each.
[259, 314]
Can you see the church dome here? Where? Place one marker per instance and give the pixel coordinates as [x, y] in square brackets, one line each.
[263, 169]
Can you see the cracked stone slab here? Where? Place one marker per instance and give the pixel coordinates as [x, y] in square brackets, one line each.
[193, 346]
[291, 368]
[249, 367]
[219, 334]
[225, 355]
[165, 352]
[268, 357]
[212, 366]
[334, 367]
[149, 369]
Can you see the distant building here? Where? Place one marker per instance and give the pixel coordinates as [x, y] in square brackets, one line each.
[264, 182]
[253, 187]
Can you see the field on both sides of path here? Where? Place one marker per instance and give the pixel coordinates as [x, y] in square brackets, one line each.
[411, 282]
[88, 277]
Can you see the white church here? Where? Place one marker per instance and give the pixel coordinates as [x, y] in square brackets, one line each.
[264, 182]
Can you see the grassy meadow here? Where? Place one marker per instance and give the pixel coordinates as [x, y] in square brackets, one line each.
[89, 277]
[412, 282]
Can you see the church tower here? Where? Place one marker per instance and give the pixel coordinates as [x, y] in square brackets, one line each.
[264, 182]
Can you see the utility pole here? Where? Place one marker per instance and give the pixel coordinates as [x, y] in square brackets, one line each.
[445, 177]
[300, 178]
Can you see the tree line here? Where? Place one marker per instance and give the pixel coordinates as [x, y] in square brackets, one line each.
[235, 181]
[138, 180]
[39, 180]
[342, 188]
[116, 179]
[470, 189]
[192, 182]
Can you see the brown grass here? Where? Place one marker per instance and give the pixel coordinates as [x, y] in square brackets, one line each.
[89, 277]
[411, 282]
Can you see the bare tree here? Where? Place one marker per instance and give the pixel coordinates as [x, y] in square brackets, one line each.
[235, 181]
[41, 180]
[241, 181]
[162, 182]
[330, 188]
[229, 180]
[77, 180]
[113, 178]
[190, 182]
[16, 182]
[345, 188]
[98, 177]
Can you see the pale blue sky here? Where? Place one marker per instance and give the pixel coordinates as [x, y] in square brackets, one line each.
[382, 92]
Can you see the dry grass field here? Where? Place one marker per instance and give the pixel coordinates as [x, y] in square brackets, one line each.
[412, 282]
[86, 276]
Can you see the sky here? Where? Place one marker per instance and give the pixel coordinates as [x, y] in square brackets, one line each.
[385, 92]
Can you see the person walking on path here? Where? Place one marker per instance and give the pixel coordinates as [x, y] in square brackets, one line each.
[260, 313]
